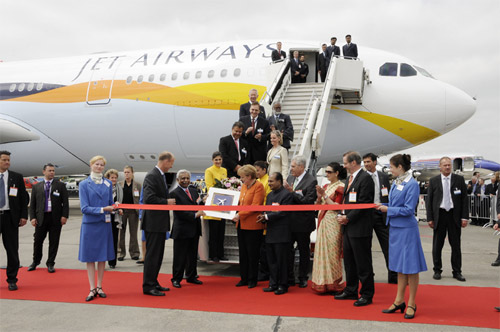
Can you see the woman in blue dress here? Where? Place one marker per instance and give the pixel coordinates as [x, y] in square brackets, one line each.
[406, 256]
[96, 237]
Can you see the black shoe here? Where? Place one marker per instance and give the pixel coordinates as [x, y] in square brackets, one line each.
[414, 311]
[397, 307]
[135, 258]
[223, 259]
[495, 263]
[252, 284]
[458, 276]
[100, 292]
[362, 302]
[12, 286]
[215, 259]
[195, 281]
[345, 296]
[121, 258]
[497, 308]
[92, 295]
[437, 276]
[280, 291]
[139, 262]
[154, 292]
[176, 284]
[32, 267]
[241, 283]
[112, 266]
[162, 289]
[51, 268]
[303, 283]
[269, 289]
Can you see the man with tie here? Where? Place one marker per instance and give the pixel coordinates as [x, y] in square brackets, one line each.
[304, 69]
[278, 54]
[323, 62]
[256, 132]
[357, 227]
[302, 185]
[281, 122]
[186, 231]
[332, 49]
[13, 214]
[295, 67]
[245, 108]
[350, 50]
[447, 212]
[382, 187]
[156, 223]
[49, 209]
[234, 150]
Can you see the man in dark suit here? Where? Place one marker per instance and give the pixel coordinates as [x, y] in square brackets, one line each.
[333, 49]
[350, 50]
[381, 195]
[234, 150]
[492, 188]
[304, 69]
[256, 132]
[13, 214]
[278, 54]
[495, 227]
[245, 108]
[472, 189]
[283, 123]
[447, 211]
[278, 235]
[49, 210]
[156, 223]
[357, 233]
[323, 62]
[302, 185]
[186, 231]
[295, 67]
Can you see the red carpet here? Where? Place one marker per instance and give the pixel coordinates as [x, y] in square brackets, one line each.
[445, 305]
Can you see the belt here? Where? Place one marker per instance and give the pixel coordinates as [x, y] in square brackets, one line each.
[4, 212]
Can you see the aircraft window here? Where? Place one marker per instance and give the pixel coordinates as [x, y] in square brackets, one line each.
[21, 87]
[30, 86]
[12, 87]
[129, 79]
[237, 72]
[139, 79]
[223, 73]
[39, 86]
[198, 74]
[407, 70]
[388, 69]
[423, 72]
[163, 77]
[211, 74]
[151, 78]
[174, 76]
[186, 75]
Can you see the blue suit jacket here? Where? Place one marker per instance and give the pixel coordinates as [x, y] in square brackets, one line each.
[93, 197]
[402, 203]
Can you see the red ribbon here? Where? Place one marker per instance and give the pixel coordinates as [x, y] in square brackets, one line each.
[304, 207]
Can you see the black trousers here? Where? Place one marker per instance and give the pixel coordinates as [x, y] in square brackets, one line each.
[249, 249]
[115, 231]
[382, 232]
[446, 224]
[216, 232]
[155, 248]
[185, 255]
[53, 227]
[358, 265]
[263, 262]
[277, 257]
[303, 240]
[10, 238]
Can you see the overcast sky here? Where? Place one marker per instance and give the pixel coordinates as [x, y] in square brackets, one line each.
[456, 40]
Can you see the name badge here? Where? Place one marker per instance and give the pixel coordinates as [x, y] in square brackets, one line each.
[106, 183]
[400, 187]
[108, 218]
[277, 157]
[49, 205]
[244, 151]
[13, 191]
[352, 197]
[457, 192]
[56, 193]
[260, 130]
[136, 193]
[276, 203]
[385, 192]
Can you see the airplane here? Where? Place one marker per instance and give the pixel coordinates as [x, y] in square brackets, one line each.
[130, 106]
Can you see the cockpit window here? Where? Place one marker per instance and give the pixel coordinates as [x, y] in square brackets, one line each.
[407, 70]
[388, 69]
[423, 72]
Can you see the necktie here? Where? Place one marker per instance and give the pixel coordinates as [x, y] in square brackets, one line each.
[377, 188]
[350, 181]
[47, 196]
[237, 149]
[2, 191]
[447, 194]
[253, 126]
[187, 192]
[165, 179]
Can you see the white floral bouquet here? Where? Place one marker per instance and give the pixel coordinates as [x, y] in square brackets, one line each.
[232, 183]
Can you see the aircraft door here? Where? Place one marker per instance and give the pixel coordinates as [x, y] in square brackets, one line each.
[101, 81]
[468, 165]
[311, 56]
[457, 164]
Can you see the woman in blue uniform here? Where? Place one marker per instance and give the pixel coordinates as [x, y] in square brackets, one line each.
[96, 237]
[406, 256]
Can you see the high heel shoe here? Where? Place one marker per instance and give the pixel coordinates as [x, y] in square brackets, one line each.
[397, 307]
[92, 295]
[100, 292]
[414, 311]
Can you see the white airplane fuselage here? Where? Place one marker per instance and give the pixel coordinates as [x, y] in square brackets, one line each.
[129, 106]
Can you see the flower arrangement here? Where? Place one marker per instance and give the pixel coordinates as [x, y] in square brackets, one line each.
[232, 183]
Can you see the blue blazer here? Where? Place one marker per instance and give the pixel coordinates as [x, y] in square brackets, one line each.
[93, 197]
[402, 203]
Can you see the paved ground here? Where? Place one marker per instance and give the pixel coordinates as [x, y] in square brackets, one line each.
[479, 249]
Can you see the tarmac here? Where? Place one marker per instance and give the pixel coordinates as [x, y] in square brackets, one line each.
[479, 249]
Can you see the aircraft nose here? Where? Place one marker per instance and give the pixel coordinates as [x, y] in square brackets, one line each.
[459, 107]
